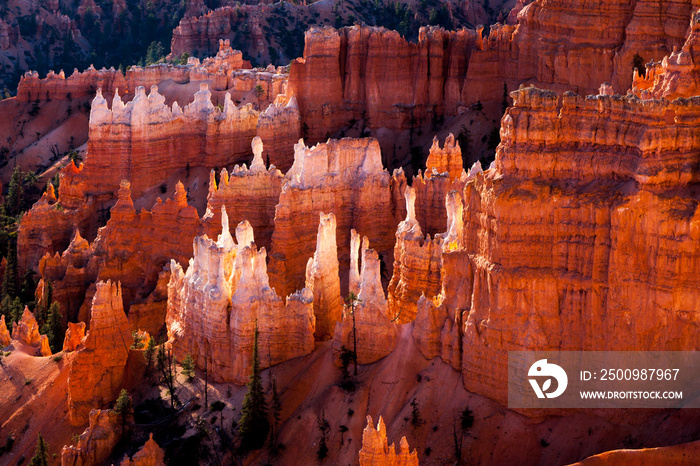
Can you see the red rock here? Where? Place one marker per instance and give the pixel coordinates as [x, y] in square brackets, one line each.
[376, 450]
[26, 330]
[5, 338]
[75, 333]
[343, 177]
[230, 281]
[674, 455]
[248, 194]
[677, 75]
[445, 159]
[149, 455]
[323, 281]
[97, 370]
[417, 265]
[97, 442]
[376, 333]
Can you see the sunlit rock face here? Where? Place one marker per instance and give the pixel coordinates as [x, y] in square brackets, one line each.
[564, 247]
[377, 451]
[344, 177]
[97, 371]
[215, 307]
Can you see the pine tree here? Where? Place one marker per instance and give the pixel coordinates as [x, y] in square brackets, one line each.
[352, 300]
[148, 354]
[325, 427]
[13, 203]
[123, 407]
[188, 367]
[254, 426]
[16, 310]
[41, 455]
[164, 364]
[9, 282]
[53, 327]
[276, 412]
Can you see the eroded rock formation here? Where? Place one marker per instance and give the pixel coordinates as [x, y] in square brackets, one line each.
[677, 75]
[376, 450]
[323, 281]
[26, 331]
[97, 442]
[602, 228]
[375, 330]
[75, 333]
[215, 307]
[344, 177]
[5, 338]
[248, 193]
[417, 265]
[97, 370]
[150, 454]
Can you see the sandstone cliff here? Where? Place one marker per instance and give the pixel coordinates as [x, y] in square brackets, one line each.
[677, 75]
[97, 370]
[601, 228]
[376, 450]
[229, 280]
[343, 177]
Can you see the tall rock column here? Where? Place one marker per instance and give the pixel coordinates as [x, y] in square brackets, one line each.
[97, 371]
[323, 281]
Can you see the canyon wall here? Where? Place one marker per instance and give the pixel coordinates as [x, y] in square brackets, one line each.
[555, 234]
[373, 73]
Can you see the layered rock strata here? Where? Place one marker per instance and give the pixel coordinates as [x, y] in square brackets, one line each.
[97, 371]
[556, 233]
[377, 451]
[132, 249]
[222, 70]
[215, 308]
[677, 75]
[417, 265]
[344, 177]
[249, 194]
